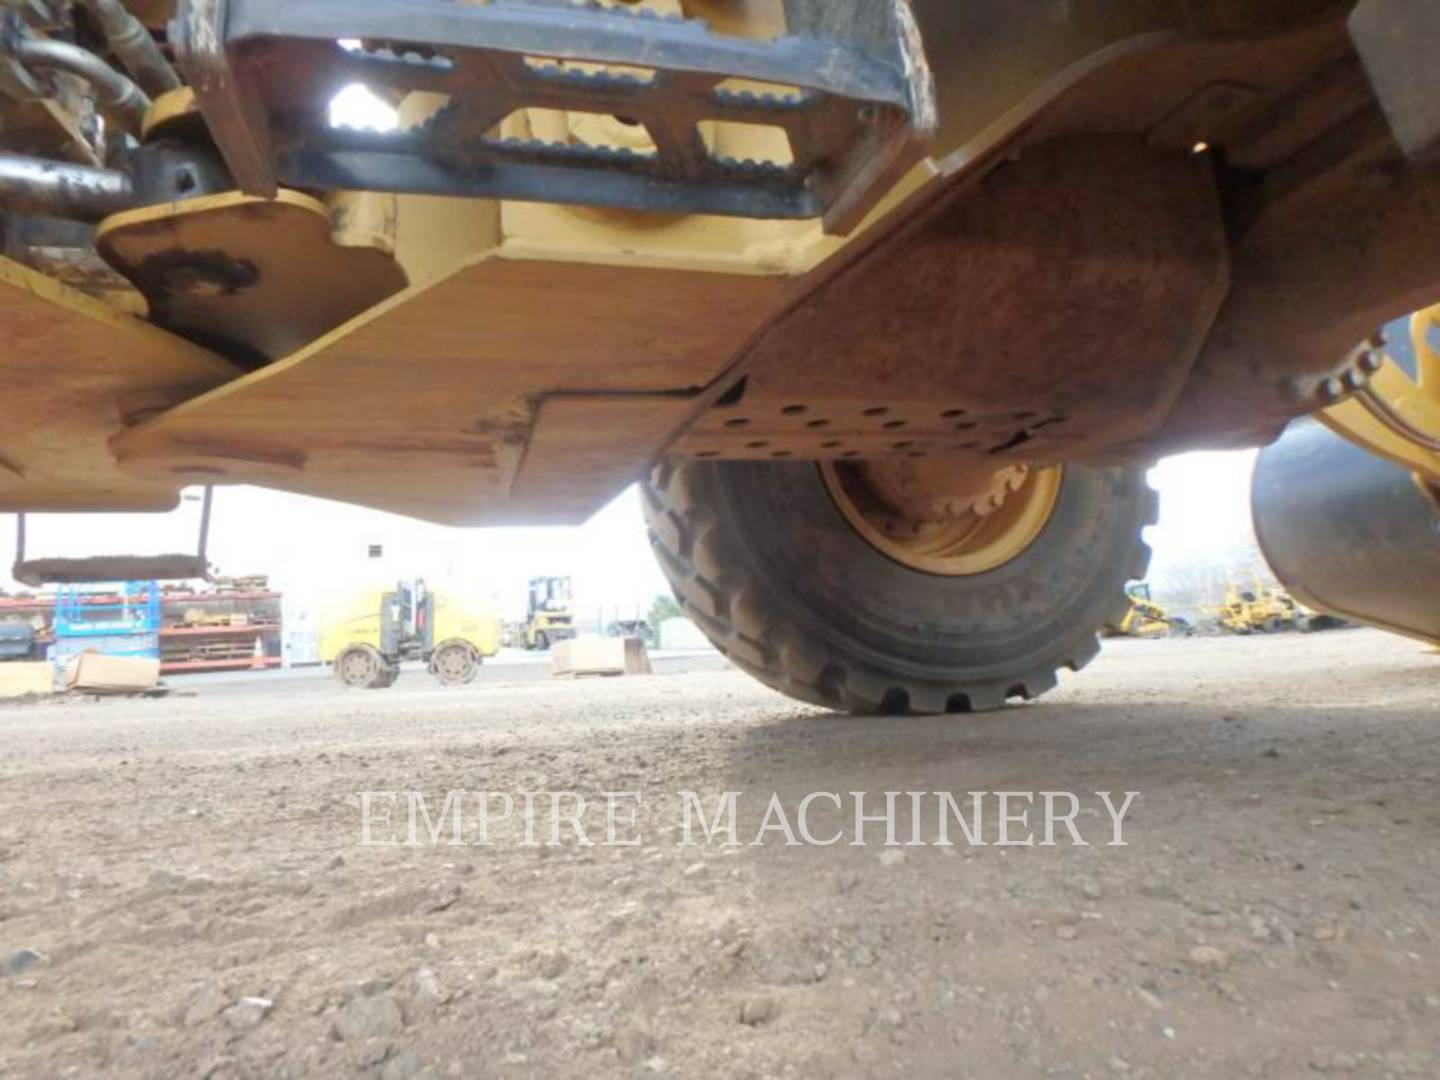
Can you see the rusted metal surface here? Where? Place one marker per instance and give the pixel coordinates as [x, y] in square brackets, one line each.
[1329, 234]
[1347, 239]
[1044, 312]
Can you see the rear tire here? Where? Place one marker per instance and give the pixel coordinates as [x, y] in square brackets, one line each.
[362, 667]
[765, 563]
[455, 663]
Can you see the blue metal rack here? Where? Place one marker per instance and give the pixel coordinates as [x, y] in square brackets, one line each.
[123, 621]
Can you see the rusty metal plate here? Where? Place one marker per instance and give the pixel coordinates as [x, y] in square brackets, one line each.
[1048, 311]
[844, 429]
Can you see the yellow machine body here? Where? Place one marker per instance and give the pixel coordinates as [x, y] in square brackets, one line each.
[351, 617]
[468, 616]
[1256, 610]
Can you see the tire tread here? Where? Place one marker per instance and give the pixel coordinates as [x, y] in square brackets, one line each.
[730, 606]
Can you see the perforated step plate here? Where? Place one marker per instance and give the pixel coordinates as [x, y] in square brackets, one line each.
[847, 85]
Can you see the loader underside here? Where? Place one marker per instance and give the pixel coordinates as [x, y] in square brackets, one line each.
[888, 304]
[1124, 232]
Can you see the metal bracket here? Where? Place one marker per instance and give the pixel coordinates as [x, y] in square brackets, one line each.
[38, 572]
[848, 85]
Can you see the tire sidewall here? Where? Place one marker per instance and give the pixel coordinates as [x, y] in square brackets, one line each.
[862, 604]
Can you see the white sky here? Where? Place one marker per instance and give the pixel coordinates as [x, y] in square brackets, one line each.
[310, 547]
[1204, 509]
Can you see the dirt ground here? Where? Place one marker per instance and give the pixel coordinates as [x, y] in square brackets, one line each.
[183, 891]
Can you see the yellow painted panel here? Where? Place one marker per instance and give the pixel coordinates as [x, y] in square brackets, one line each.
[425, 404]
[73, 370]
[465, 615]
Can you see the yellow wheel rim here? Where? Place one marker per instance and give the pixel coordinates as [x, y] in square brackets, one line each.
[1409, 406]
[959, 548]
[1393, 414]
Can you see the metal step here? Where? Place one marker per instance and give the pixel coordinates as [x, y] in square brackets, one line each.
[103, 568]
[854, 96]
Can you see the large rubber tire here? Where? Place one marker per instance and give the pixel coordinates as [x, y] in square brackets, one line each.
[764, 562]
[363, 668]
[455, 663]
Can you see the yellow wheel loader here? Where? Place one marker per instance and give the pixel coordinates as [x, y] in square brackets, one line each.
[1257, 610]
[366, 635]
[888, 304]
[1146, 619]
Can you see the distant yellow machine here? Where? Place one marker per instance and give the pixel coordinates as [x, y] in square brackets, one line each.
[550, 617]
[367, 634]
[1257, 610]
[1145, 618]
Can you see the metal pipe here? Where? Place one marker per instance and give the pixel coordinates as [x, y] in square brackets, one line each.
[60, 189]
[205, 527]
[133, 44]
[116, 95]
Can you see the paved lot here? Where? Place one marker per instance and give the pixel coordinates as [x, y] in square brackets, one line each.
[188, 878]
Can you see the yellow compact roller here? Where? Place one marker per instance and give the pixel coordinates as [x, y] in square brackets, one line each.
[367, 634]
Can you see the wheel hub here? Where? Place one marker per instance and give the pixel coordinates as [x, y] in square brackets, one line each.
[452, 664]
[357, 667]
[952, 517]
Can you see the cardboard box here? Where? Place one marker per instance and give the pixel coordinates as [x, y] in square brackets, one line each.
[22, 678]
[598, 656]
[112, 674]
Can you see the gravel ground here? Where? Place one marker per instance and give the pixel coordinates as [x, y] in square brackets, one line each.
[183, 891]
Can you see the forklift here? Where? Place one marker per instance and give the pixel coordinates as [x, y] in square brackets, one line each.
[368, 636]
[550, 616]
